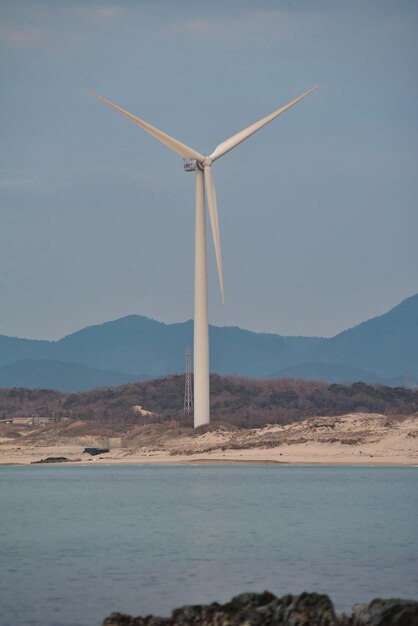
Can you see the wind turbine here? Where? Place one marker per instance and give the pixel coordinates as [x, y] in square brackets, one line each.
[202, 165]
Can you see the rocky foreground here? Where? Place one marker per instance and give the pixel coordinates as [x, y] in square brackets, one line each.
[265, 609]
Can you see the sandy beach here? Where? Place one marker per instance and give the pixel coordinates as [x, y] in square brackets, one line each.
[354, 439]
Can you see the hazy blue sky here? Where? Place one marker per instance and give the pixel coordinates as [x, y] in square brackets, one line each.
[318, 211]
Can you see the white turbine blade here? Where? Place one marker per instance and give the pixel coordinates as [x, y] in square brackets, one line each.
[239, 137]
[172, 143]
[213, 215]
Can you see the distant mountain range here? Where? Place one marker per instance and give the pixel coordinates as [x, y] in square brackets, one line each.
[381, 350]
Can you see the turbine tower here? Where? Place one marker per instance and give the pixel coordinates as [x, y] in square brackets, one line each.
[202, 165]
[188, 395]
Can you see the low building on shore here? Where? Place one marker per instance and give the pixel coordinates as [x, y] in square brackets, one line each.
[35, 420]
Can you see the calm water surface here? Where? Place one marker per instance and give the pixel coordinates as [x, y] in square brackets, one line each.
[77, 543]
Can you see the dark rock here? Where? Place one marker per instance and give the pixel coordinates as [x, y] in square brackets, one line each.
[53, 459]
[95, 451]
[248, 609]
[386, 613]
[307, 609]
[265, 609]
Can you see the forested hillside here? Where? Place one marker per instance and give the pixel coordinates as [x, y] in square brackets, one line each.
[241, 401]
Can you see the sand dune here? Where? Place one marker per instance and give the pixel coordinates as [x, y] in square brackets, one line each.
[358, 438]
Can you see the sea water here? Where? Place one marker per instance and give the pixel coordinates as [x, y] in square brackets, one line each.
[77, 543]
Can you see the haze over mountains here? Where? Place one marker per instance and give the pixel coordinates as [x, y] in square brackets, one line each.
[381, 350]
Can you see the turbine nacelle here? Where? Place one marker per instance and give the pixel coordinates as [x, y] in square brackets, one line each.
[191, 165]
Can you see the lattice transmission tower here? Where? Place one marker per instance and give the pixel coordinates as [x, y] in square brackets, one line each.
[188, 388]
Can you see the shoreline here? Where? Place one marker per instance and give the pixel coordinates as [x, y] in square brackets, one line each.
[193, 460]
